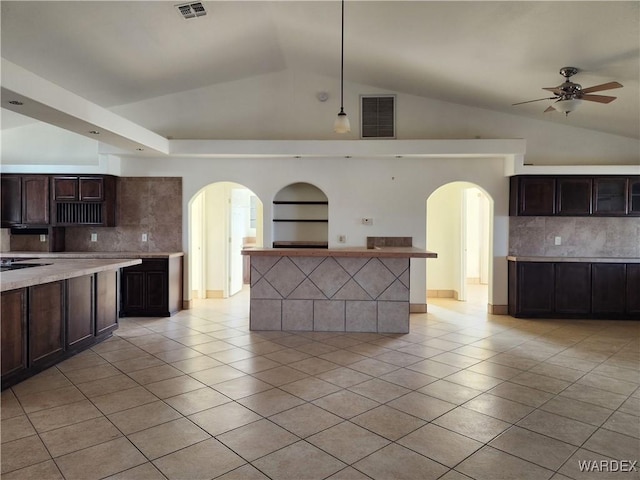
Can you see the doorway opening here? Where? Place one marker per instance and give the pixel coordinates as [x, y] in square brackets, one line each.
[459, 228]
[224, 218]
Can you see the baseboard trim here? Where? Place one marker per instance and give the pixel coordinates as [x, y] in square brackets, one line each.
[215, 294]
[442, 294]
[186, 304]
[417, 308]
[498, 309]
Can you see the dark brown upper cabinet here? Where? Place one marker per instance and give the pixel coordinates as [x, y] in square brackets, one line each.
[574, 196]
[25, 200]
[610, 196]
[83, 200]
[634, 196]
[533, 196]
[78, 189]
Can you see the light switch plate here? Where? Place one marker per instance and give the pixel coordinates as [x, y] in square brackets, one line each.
[557, 241]
[94, 237]
[144, 237]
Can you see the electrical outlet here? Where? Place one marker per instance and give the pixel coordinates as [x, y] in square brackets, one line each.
[367, 221]
[94, 237]
[342, 238]
[144, 237]
[557, 241]
[43, 237]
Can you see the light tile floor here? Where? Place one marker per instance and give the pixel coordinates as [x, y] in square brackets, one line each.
[464, 395]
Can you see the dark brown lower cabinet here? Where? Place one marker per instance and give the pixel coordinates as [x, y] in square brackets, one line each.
[608, 282]
[574, 290]
[13, 308]
[46, 323]
[633, 289]
[106, 302]
[152, 288]
[80, 311]
[532, 290]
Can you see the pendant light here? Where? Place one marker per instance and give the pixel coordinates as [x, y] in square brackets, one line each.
[341, 125]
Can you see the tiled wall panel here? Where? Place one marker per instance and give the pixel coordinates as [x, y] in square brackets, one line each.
[330, 294]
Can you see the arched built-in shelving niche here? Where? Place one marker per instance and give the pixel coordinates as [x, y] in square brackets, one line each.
[300, 217]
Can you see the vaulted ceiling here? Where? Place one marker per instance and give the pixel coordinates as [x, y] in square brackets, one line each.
[477, 53]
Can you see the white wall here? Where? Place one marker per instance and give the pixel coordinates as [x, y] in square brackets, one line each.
[392, 191]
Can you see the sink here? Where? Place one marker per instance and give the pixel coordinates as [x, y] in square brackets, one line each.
[18, 266]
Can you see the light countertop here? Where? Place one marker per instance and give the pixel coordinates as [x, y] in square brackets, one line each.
[518, 258]
[383, 252]
[59, 269]
[91, 255]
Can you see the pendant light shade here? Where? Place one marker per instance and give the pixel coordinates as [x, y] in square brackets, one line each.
[341, 124]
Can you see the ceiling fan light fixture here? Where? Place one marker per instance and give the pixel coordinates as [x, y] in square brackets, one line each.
[567, 106]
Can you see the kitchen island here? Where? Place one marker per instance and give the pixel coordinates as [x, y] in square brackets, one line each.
[340, 289]
[54, 310]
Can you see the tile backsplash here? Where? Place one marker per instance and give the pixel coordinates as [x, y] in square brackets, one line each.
[145, 205]
[579, 236]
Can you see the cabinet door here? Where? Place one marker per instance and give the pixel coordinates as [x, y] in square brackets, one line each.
[634, 196]
[156, 290]
[11, 190]
[633, 288]
[46, 323]
[35, 200]
[574, 196]
[610, 196]
[573, 288]
[132, 289]
[106, 302]
[13, 309]
[535, 291]
[536, 196]
[65, 189]
[80, 311]
[608, 288]
[91, 189]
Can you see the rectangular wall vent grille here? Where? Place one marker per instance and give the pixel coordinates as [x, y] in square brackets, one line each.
[191, 10]
[378, 116]
[79, 213]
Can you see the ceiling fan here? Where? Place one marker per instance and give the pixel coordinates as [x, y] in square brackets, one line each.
[569, 95]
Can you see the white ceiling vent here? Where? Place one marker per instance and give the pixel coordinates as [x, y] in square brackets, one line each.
[191, 10]
[378, 115]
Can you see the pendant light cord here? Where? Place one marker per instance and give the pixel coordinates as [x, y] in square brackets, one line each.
[342, 63]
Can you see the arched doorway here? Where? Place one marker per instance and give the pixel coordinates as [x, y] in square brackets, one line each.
[224, 217]
[459, 228]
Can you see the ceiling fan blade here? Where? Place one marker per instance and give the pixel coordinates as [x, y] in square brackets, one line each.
[555, 90]
[549, 109]
[604, 86]
[598, 98]
[530, 101]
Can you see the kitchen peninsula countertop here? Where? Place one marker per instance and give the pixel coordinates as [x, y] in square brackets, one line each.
[518, 258]
[91, 255]
[381, 252]
[58, 269]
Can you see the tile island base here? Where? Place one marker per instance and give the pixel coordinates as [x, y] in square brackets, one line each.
[331, 290]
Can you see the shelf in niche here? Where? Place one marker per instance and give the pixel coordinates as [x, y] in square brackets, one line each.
[300, 244]
[293, 202]
[300, 220]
